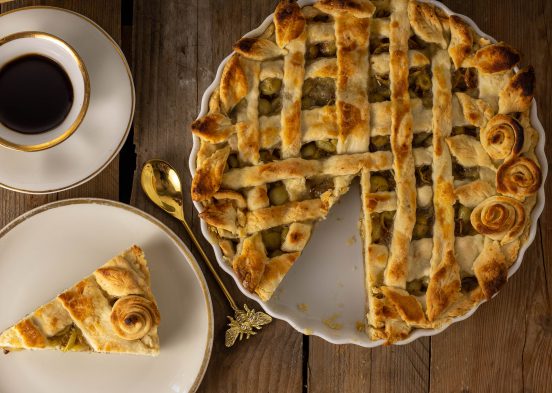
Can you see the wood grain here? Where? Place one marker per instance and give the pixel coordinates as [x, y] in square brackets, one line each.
[348, 368]
[177, 48]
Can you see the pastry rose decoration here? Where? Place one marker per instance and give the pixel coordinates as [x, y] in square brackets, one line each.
[499, 217]
[518, 178]
[502, 137]
[133, 317]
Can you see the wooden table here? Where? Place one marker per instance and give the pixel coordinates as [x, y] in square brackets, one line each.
[174, 48]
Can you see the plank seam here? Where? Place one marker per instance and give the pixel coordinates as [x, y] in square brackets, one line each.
[429, 368]
[199, 97]
[543, 262]
[127, 155]
[305, 368]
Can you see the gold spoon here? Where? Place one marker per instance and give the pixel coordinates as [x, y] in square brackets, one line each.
[162, 185]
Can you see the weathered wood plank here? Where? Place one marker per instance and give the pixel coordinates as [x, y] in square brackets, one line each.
[177, 48]
[349, 368]
[537, 361]
[506, 345]
[338, 368]
[106, 185]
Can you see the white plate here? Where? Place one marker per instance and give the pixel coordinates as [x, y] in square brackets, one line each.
[50, 248]
[107, 122]
[325, 287]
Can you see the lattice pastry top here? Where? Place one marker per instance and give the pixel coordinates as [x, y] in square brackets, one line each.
[432, 118]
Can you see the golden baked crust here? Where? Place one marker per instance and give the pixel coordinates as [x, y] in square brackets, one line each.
[433, 118]
[518, 177]
[111, 311]
[401, 147]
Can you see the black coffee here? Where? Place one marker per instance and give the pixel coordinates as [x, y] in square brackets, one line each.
[36, 94]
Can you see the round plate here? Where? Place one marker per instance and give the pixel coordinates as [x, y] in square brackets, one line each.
[323, 294]
[107, 122]
[51, 248]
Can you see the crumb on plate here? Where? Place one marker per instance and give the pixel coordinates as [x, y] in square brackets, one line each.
[332, 323]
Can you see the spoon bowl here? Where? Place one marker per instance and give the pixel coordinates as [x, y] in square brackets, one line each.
[162, 185]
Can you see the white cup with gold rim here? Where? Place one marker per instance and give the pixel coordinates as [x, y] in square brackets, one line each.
[27, 43]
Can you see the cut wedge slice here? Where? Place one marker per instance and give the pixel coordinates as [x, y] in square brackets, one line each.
[111, 311]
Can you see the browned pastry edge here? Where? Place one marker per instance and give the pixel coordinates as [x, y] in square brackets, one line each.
[502, 137]
[496, 58]
[289, 22]
[518, 177]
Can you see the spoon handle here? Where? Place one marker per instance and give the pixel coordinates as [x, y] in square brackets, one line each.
[210, 265]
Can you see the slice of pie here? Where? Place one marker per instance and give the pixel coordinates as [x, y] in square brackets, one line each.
[111, 311]
[432, 117]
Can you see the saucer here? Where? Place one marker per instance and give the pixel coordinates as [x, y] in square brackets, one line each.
[106, 125]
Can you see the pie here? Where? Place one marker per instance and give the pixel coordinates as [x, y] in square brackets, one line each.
[432, 118]
[111, 311]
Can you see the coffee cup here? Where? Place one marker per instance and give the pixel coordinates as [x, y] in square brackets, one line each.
[44, 91]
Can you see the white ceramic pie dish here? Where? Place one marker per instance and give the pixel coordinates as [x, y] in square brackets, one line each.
[327, 299]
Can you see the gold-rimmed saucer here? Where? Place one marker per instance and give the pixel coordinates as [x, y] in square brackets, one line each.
[107, 122]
